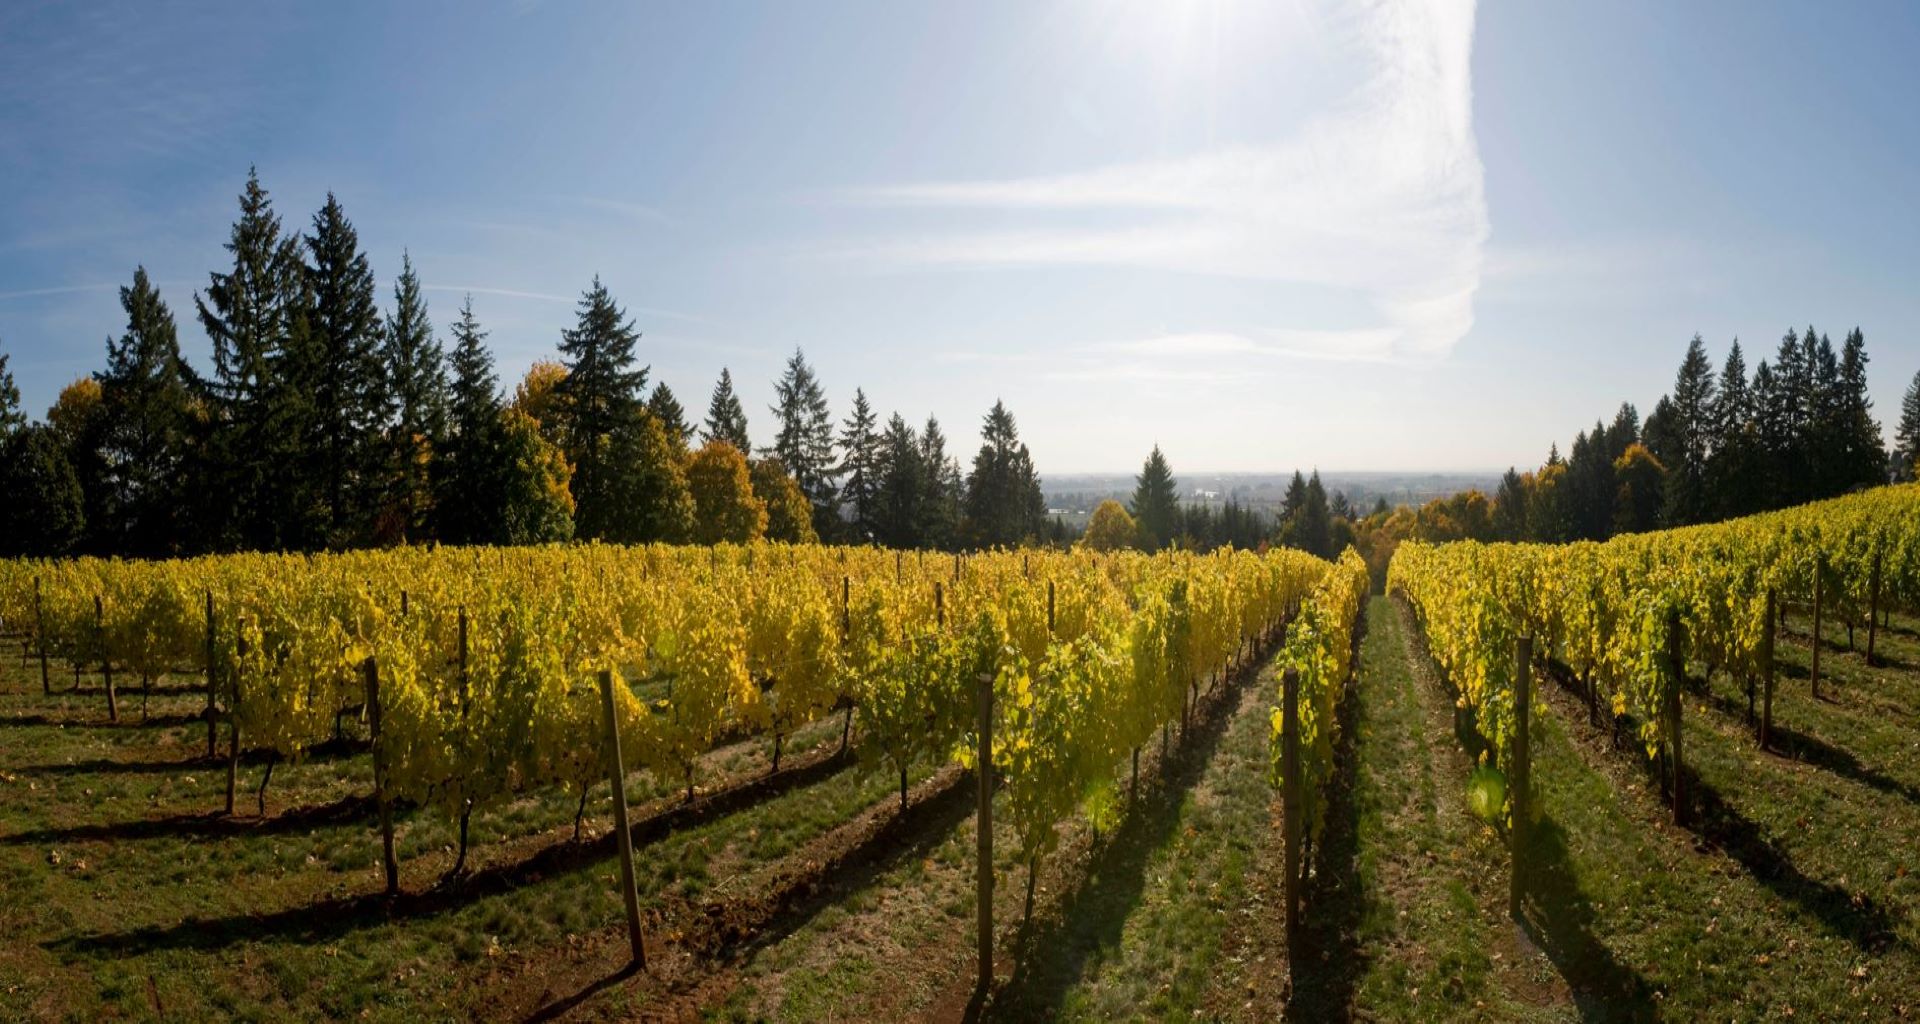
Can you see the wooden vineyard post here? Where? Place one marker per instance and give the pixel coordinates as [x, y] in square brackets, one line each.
[1676, 670]
[213, 716]
[1520, 777]
[983, 827]
[40, 627]
[1873, 606]
[372, 670]
[1766, 676]
[106, 665]
[846, 634]
[617, 776]
[1819, 563]
[233, 720]
[939, 606]
[1290, 799]
[1049, 607]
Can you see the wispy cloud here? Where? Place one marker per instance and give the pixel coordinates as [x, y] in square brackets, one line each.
[1382, 196]
[625, 208]
[71, 289]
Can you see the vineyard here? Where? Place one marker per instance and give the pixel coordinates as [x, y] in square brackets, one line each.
[1667, 774]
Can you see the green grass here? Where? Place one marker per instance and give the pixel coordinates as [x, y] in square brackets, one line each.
[128, 897]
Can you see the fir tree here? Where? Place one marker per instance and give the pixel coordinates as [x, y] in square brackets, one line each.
[44, 514]
[1156, 502]
[1690, 421]
[341, 382]
[243, 488]
[468, 473]
[1734, 467]
[417, 382]
[1509, 508]
[804, 441]
[1004, 506]
[12, 420]
[859, 466]
[944, 490]
[146, 396]
[901, 487]
[1860, 452]
[726, 420]
[673, 418]
[1907, 436]
[600, 396]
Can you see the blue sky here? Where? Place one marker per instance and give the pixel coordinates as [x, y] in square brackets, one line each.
[1263, 235]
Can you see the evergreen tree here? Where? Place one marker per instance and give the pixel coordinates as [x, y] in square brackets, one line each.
[43, 515]
[1590, 485]
[1509, 508]
[1548, 520]
[12, 420]
[945, 490]
[1860, 454]
[1907, 436]
[804, 442]
[1734, 467]
[417, 379]
[1295, 499]
[1156, 503]
[146, 394]
[468, 487]
[901, 489]
[79, 424]
[860, 446]
[242, 487]
[1827, 429]
[673, 418]
[1624, 432]
[341, 384]
[599, 398]
[1689, 419]
[1004, 506]
[726, 420]
[1315, 524]
[1785, 424]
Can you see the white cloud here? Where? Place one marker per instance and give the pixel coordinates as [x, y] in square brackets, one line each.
[1381, 196]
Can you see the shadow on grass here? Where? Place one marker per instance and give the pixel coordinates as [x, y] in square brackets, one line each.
[1799, 746]
[334, 917]
[211, 824]
[1053, 953]
[1558, 917]
[1327, 966]
[732, 929]
[130, 720]
[320, 753]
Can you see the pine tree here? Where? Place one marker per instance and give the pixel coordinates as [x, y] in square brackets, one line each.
[673, 418]
[901, 487]
[242, 488]
[1734, 467]
[1827, 429]
[1690, 420]
[1004, 506]
[44, 514]
[338, 373]
[600, 397]
[726, 420]
[945, 490]
[417, 379]
[1509, 508]
[146, 395]
[12, 420]
[1315, 524]
[804, 442]
[1156, 502]
[859, 466]
[1861, 451]
[467, 483]
[1785, 419]
[1907, 436]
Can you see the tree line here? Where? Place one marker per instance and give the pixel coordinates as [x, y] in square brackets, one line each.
[325, 422]
[1721, 444]
[1154, 518]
